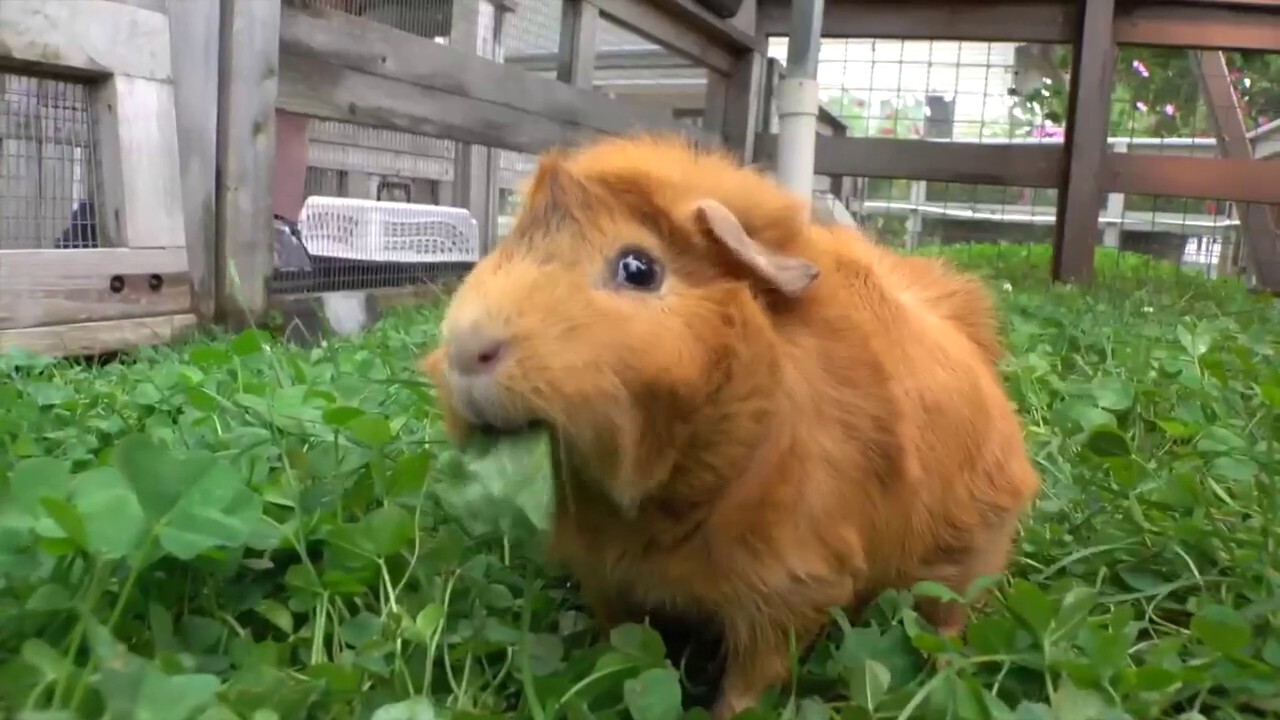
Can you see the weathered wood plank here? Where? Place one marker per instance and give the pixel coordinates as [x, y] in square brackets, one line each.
[743, 91]
[1045, 21]
[1075, 235]
[1171, 24]
[92, 36]
[193, 28]
[344, 68]
[1241, 180]
[1038, 166]
[249, 77]
[656, 24]
[48, 287]
[730, 35]
[1187, 26]
[94, 338]
[579, 22]
[141, 183]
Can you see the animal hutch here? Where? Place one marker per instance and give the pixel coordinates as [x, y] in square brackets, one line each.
[93, 246]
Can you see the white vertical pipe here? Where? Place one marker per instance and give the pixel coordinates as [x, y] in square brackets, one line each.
[798, 100]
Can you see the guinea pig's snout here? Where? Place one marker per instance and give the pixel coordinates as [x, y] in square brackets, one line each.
[475, 351]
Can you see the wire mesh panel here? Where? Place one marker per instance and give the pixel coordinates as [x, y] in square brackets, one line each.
[1016, 93]
[49, 172]
[942, 90]
[1177, 102]
[531, 29]
[432, 19]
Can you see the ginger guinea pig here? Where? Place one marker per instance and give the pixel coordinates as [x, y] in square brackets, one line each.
[758, 418]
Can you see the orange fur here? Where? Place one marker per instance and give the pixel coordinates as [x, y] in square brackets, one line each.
[730, 452]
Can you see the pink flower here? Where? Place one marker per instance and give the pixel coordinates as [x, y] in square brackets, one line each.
[1169, 109]
[1141, 106]
[1141, 69]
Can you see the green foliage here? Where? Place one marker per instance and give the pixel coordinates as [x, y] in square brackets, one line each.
[1157, 95]
[241, 529]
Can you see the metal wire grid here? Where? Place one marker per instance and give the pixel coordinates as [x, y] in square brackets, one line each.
[937, 90]
[433, 19]
[1012, 93]
[49, 171]
[530, 28]
[1158, 106]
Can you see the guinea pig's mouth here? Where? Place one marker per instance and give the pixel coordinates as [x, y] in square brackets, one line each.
[491, 430]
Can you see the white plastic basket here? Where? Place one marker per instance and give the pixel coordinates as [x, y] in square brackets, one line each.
[379, 231]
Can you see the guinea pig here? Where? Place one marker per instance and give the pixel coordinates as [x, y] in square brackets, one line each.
[757, 418]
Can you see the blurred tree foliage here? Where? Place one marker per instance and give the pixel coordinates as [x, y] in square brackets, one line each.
[1157, 95]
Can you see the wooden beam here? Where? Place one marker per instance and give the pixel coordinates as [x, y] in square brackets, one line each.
[743, 89]
[1258, 225]
[653, 21]
[1243, 26]
[139, 199]
[94, 38]
[648, 58]
[1242, 180]
[345, 68]
[472, 187]
[48, 287]
[722, 32]
[1089, 112]
[579, 24]
[1037, 166]
[193, 30]
[94, 338]
[1218, 28]
[248, 73]
[1044, 21]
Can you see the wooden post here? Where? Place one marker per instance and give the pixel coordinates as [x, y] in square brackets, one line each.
[193, 42]
[578, 25]
[734, 104]
[248, 72]
[471, 177]
[1258, 233]
[1089, 117]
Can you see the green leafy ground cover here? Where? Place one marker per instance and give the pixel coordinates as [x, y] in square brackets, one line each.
[235, 528]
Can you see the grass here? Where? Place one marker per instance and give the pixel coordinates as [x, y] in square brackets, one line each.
[236, 528]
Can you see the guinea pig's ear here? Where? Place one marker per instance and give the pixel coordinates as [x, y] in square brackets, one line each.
[789, 275]
[555, 193]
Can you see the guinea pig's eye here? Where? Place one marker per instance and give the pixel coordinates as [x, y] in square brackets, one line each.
[637, 269]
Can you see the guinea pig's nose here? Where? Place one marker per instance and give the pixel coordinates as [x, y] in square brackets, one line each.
[473, 351]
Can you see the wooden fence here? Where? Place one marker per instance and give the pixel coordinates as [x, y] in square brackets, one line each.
[1084, 168]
